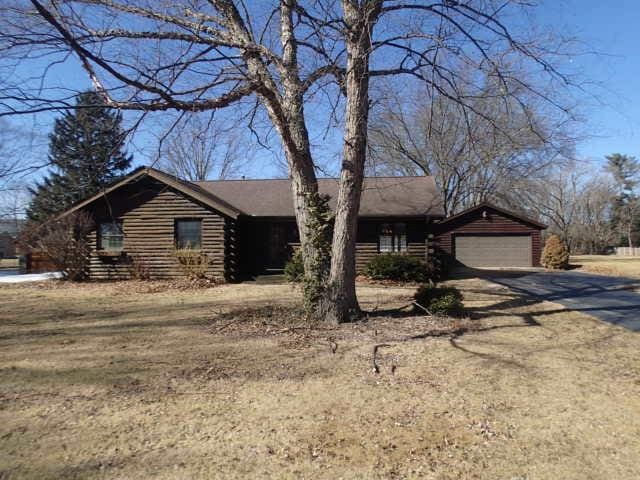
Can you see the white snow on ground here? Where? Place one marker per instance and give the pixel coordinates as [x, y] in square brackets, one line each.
[13, 276]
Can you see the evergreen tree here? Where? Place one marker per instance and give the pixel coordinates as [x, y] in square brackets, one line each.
[87, 154]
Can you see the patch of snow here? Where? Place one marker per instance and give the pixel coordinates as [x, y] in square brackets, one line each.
[14, 276]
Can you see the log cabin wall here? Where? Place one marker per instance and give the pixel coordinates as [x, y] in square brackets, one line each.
[368, 237]
[419, 240]
[148, 210]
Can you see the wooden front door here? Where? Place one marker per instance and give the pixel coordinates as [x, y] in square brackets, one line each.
[276, 246]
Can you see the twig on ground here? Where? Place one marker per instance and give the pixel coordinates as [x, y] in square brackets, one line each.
[423, 308]
[376, 368]
[228, 324]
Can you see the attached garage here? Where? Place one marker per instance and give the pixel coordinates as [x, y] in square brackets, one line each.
[487, 236]
[493, 250]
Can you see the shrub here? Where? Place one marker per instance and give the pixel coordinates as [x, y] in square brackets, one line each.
[440, 264]
[193, 263]
[294, 268]
[555, 254]
[402, 268]
[439, 300]
[64, 241]
[138, 267]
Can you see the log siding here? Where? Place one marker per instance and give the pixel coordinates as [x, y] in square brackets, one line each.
[495, 223]
[419, 240]
[148, 217]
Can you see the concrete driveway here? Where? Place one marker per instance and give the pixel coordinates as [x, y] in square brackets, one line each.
[610, 299]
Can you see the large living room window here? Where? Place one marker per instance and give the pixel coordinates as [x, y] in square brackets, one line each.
[110, 236]
[189, 233]
[392, 238]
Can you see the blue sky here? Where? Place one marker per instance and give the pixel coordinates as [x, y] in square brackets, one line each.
[611, 30]
[611, 109]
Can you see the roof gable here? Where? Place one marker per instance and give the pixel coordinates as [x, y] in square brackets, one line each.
[187, 188]
[485, 205]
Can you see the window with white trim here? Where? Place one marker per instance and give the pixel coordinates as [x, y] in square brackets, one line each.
[392, 238]
[110, 236]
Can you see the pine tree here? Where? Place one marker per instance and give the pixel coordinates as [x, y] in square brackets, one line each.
[86, 151]
[555, 254]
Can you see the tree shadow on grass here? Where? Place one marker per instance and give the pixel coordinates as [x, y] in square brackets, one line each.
[512, 304]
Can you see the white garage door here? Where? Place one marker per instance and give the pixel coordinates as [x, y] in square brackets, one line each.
[493, 250]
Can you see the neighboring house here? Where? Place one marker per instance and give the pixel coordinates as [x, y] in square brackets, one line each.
[8, 233]
[247, 227]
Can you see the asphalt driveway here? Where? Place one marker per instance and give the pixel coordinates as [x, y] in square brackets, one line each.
[610, 299]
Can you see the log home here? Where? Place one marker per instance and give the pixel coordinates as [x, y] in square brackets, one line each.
[246, 228]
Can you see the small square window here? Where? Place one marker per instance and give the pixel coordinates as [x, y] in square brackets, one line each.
[188, 234]
[110, 236]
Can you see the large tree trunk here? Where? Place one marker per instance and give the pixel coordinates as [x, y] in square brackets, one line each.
[341, 303]
[304, 184]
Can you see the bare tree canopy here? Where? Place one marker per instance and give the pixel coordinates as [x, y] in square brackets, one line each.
[625, 170]
[285, 57]
[576, 200]
[200, 148]
[474, 156]
[17, 161]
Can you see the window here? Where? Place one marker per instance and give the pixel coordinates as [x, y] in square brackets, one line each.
[111, 236]
[188, 233]
[393, 237]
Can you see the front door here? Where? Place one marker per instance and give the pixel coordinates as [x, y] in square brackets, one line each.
[276, 246]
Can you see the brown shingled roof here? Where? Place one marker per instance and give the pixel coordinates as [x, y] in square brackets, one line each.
[381, 196]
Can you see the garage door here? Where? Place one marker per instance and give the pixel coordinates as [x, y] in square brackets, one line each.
[494, 250]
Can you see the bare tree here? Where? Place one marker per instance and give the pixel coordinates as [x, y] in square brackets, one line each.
[474, 156]
[18, 151]
[192, 55]
[202, 149]
[625, 171]
[577, 201]
[64, 241]
[593, 232]
[555, 198]
[15, 143]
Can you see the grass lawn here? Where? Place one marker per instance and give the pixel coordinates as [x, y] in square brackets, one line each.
[137, 380]
[618, 266]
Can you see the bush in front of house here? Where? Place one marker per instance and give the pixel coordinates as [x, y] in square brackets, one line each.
[294, 268]
[439, 300]
[193, 263]
[64, 241]
[402, 268]
[138, 267]
[555, 254]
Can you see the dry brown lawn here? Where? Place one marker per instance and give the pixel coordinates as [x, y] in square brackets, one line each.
[608, 265]
[132, 381]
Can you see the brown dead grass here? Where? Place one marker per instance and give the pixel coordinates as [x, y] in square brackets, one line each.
[113, 381]
[608, 265]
